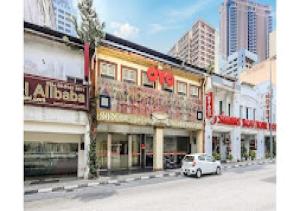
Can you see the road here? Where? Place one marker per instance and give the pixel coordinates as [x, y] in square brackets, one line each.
[246, 188]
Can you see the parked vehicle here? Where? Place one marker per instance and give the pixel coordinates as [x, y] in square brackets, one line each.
[200, 163]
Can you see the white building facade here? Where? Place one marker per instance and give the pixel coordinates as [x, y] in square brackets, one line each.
[56, 126]
[235, 123]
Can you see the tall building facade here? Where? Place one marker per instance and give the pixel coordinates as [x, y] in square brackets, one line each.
[245, 24]
[272, 44]
[64, 11]
[238, 62]
[197, 46]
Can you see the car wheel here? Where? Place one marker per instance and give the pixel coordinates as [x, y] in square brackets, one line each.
[184, 174]
[218, 171]
[198, 173]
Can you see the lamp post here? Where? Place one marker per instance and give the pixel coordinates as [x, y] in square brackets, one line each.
[270, 115]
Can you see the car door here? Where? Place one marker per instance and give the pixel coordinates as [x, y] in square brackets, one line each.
[210, 164]
[203, 164]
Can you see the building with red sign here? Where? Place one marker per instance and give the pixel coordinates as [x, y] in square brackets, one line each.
[56, 129]
[150, 107]
[235, 119]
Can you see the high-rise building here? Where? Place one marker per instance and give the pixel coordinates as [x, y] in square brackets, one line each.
[197, 46]
[40, 12]
[64, 11]
[238, 62]
[245, 24]
[272, 44]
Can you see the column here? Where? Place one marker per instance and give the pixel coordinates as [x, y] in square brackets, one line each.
[260, 152]
[222, 147]
[158, 148]
[193, 148]
[208, 139]
[235, 138]
[129, 151]
[86, 151]
[199, 141]
[109, 140]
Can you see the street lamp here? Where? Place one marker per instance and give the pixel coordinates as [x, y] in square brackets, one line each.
[270, 115]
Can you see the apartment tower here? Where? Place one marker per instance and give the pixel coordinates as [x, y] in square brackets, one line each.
[245, 24]
[197, 46]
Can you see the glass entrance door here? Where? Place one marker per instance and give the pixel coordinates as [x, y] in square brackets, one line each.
[119, 152]
[149, 151]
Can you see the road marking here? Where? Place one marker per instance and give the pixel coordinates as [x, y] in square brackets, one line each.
[93, 184]
[144, 177]
[45, 190]
[71, 187]
[129, 179]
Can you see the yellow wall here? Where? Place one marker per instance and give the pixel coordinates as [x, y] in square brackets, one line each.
[142, 64]
[260, 72]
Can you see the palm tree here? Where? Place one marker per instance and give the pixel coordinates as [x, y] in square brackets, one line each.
[90, 30]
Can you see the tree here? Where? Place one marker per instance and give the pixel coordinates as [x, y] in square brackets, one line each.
[90, 30]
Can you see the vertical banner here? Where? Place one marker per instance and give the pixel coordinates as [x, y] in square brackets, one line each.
[86, 61]
[209, 105]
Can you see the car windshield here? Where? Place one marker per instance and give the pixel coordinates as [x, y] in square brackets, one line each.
[189, 158]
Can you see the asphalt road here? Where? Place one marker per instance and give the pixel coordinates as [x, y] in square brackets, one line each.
[246, 188]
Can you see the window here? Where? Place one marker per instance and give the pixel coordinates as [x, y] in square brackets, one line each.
[181, 88]
[146, 82]
[74, 80]
[229, 109]
[167, 88]
[220, 107]
[194, 91]
[129, 75]
[247, 113]
[108, 70]
[201, 158]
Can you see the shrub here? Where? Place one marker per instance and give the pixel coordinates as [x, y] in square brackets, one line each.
[217, 156]
[252, 154]
[229, 157]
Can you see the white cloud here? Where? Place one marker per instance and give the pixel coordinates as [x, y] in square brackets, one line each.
[124, 30]
[190, 10]
[156, 27]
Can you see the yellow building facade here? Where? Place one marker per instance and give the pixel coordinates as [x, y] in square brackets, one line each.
[149, 109]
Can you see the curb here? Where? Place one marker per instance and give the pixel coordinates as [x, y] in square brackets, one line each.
[132, 179]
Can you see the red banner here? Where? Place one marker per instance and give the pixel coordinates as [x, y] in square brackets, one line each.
[261, 125]
[248, 123]
[86, 61]
[209, 105]
[54, 93]
[228, 120]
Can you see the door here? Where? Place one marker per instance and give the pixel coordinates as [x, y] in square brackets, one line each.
[211, 166]
[148, 151]
[119, 152]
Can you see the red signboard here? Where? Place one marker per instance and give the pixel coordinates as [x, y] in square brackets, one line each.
[164, 77]
[248, 123]
[228, 120]
[86, 61]
[54, 93]
[261, 125]
[209, 105]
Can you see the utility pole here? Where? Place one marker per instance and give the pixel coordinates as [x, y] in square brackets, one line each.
[270, 115]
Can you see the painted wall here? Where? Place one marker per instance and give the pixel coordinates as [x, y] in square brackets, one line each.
[51, 59]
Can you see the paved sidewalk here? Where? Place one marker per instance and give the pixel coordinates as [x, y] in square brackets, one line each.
[74, 183]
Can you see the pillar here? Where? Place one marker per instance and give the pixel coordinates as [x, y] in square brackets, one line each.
[200, 141]
[193, 147]
[208, 139]
[129, 151]
[260, 152]
[109, 140]
[222, 147]
[158, 148]
[86, 139]
[235, 138]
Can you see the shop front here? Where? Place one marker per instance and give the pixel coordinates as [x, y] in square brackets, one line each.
[55, 128]
[149, 113]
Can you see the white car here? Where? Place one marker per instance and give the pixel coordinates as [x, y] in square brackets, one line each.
[200, 163]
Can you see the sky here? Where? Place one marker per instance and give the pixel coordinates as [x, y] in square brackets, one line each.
[158, 24]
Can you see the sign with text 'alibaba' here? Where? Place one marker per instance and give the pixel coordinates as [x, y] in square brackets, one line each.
[154, 74]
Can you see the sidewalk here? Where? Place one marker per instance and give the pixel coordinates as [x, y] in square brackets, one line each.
[75, 183]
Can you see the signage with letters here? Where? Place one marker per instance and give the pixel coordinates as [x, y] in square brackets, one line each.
[54, 93]
[163, 76]
[209, 105]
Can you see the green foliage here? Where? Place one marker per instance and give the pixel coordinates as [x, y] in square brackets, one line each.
[90, 30]
[229, 157]
[252, 154]
[216, 156]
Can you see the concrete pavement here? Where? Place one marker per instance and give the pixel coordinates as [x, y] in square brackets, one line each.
[251, 187]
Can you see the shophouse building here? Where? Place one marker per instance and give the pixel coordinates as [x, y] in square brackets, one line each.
[56, 129]
[235, 122]
[149, 107]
